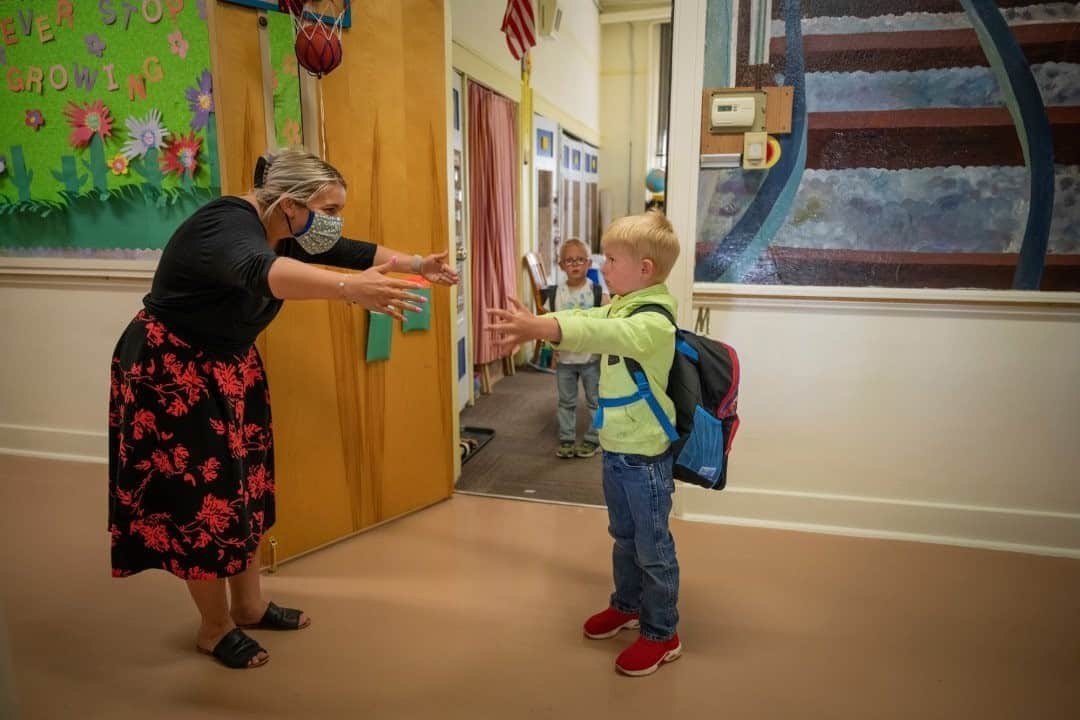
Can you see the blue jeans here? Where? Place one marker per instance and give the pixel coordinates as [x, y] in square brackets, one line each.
[567, 376]
[637, 491]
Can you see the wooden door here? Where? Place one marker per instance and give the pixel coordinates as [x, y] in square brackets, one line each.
[356, 444]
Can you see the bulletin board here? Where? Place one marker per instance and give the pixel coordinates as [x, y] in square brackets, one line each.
[107, 129]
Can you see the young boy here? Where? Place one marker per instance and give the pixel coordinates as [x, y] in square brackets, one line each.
[638, 484]
[577, 293]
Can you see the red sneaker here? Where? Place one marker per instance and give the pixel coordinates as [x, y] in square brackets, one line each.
[646, 656]
[608, 623]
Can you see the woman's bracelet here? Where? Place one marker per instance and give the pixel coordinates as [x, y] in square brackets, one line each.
[417, 263]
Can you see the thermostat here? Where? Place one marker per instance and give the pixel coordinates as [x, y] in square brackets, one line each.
[732, 112]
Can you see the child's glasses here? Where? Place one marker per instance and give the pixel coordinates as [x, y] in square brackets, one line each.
[575, 261]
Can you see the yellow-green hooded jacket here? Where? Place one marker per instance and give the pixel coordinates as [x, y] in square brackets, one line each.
[649, 338]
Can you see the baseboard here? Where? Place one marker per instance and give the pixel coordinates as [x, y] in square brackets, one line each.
[53, 443]
[1009, 529]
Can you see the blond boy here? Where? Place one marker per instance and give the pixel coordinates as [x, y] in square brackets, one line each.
[640, 251]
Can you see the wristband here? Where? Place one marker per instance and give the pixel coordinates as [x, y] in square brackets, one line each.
[417, 263]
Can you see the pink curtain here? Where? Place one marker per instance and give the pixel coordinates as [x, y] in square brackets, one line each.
[493, 223]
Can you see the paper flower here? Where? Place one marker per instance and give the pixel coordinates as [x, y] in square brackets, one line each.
[289, 65]
[34, 119]
[201, 100]
[88, 121]
[181, 157]
[94, 44]
[145, 133]
[3, 164]
[178, 45]
[119, 165]
[291, 131]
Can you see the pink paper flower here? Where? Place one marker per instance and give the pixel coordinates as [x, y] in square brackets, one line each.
[181, 157]
[178, 45]
[88, 120]
[291, 131]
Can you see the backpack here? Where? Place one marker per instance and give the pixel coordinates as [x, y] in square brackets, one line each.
[704, 385]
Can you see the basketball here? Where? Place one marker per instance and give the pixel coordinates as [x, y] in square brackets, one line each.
[318, 48]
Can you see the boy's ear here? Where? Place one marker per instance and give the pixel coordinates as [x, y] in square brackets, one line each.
[648, 267]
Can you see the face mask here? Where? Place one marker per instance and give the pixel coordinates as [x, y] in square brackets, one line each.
[319, 234]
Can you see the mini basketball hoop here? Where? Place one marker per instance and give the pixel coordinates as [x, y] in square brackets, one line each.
[318, 33]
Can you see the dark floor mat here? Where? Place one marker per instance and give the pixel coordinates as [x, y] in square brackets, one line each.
[473, 440]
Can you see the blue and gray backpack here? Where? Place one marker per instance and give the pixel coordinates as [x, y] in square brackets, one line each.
[704, 385]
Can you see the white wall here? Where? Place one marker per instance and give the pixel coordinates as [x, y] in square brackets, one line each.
[947, 417]
[624, 113]
[957, 424]
[565, 71]
[58, 337]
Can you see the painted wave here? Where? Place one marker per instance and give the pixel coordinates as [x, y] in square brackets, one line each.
[1028, 15]
[950, 209]
[1059, 84]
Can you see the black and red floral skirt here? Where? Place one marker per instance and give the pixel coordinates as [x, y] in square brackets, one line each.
[191, 458]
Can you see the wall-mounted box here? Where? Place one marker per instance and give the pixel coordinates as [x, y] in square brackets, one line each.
[777, 118]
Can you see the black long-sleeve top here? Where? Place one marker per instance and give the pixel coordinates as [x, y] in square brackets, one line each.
[211, 285]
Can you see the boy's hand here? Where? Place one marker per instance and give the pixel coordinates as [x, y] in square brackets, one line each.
[517, 325]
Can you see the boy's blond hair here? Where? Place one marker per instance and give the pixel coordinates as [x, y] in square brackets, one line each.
[648, 235]
[571, 242]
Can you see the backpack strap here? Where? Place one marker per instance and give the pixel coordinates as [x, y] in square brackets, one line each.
[644, 390]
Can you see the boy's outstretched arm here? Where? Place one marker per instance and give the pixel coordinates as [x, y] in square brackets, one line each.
[512, 327]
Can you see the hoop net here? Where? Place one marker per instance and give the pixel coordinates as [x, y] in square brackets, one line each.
[314, 17]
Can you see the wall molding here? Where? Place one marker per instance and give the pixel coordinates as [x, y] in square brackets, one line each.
[1009, 529]
[474, 66]
[53, 443]
[706, 294]
[16, 269]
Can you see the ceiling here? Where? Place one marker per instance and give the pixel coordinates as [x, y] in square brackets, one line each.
[618, 5]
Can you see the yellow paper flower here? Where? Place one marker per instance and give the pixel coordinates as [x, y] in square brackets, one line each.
[119, 165]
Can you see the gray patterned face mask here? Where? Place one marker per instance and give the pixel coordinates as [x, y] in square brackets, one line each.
[319, 234]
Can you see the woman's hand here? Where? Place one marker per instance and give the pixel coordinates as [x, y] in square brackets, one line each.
[517, 325]
[378, 293]
[434, 269]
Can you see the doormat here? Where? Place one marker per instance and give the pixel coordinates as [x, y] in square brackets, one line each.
[472, 439]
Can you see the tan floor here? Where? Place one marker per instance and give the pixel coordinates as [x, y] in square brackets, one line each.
[472, 609]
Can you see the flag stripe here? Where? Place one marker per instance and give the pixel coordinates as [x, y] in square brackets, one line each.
[519, 26]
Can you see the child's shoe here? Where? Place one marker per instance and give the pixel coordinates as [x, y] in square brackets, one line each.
[609, 622]
[566, 450]
[646, 656]
[587, 449]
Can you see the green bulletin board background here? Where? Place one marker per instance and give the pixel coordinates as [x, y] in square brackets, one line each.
[59, 57]
[287, 114]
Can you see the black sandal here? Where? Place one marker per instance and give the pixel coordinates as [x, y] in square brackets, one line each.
[278, 618]
[237, 650]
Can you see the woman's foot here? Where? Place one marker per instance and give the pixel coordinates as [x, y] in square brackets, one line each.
[268, 615]
[231, 646]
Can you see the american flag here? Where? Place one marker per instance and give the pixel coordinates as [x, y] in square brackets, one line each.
[519, 27]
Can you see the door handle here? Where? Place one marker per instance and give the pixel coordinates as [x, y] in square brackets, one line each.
[462, 256]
